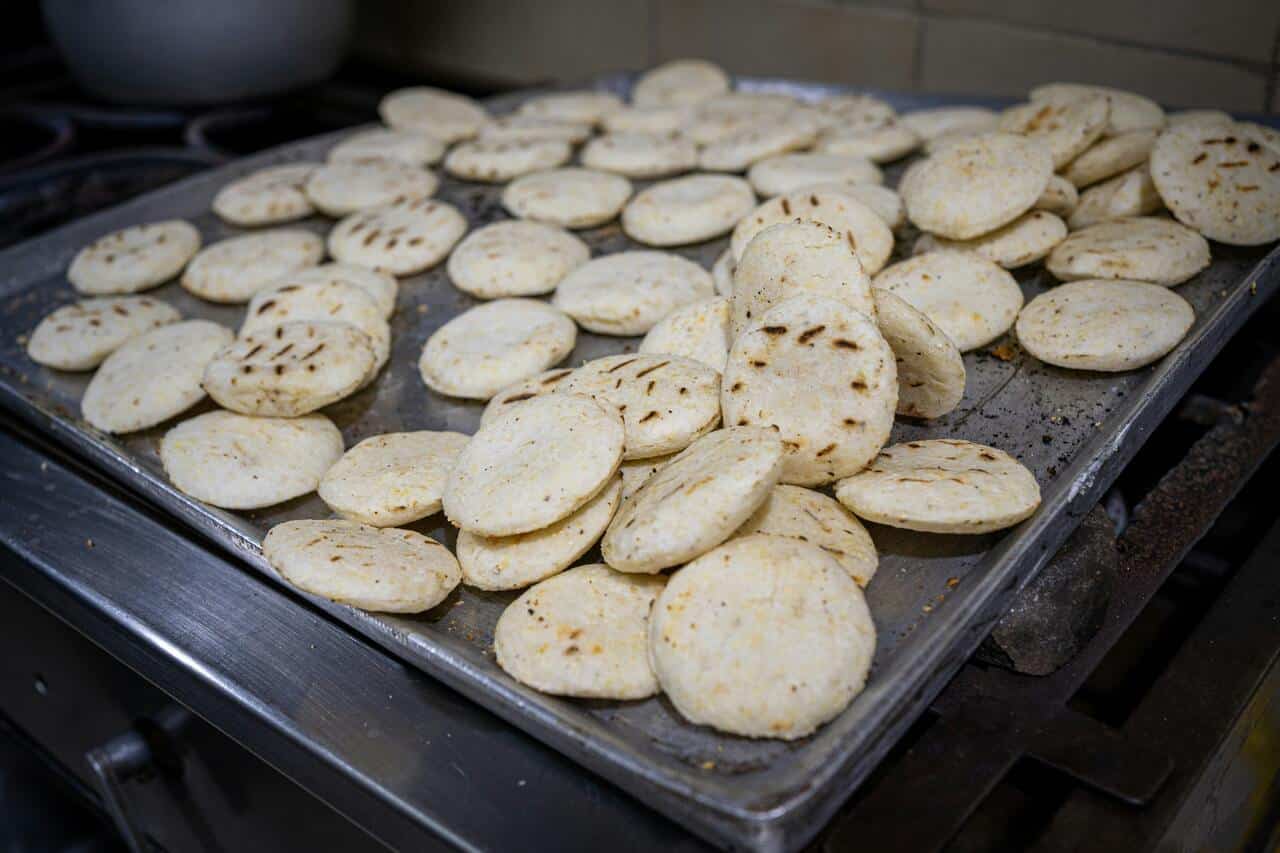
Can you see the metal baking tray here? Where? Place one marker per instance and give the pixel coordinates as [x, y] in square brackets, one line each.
[934, 597]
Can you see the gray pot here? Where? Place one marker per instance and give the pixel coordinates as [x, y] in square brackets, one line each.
[198, 51]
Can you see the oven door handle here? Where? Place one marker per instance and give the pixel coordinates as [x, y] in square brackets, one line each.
[112, 765]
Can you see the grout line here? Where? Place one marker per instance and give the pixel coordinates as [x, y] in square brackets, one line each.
[917, 61]
[653, 32]
[1273, 78]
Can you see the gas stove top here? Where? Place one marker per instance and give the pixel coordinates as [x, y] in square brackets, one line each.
[64, 155]
[1127, 701]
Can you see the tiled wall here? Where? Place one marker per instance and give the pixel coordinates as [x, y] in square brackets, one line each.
[1222, 53]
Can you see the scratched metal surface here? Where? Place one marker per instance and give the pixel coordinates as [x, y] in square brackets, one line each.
[933, 599]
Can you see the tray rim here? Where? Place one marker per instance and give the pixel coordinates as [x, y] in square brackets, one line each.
[1011, 563]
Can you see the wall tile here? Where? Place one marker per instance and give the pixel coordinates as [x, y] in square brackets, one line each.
[839, 44]
[506, 43]
[879, 43]
[1245, 29]
[974, 57]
